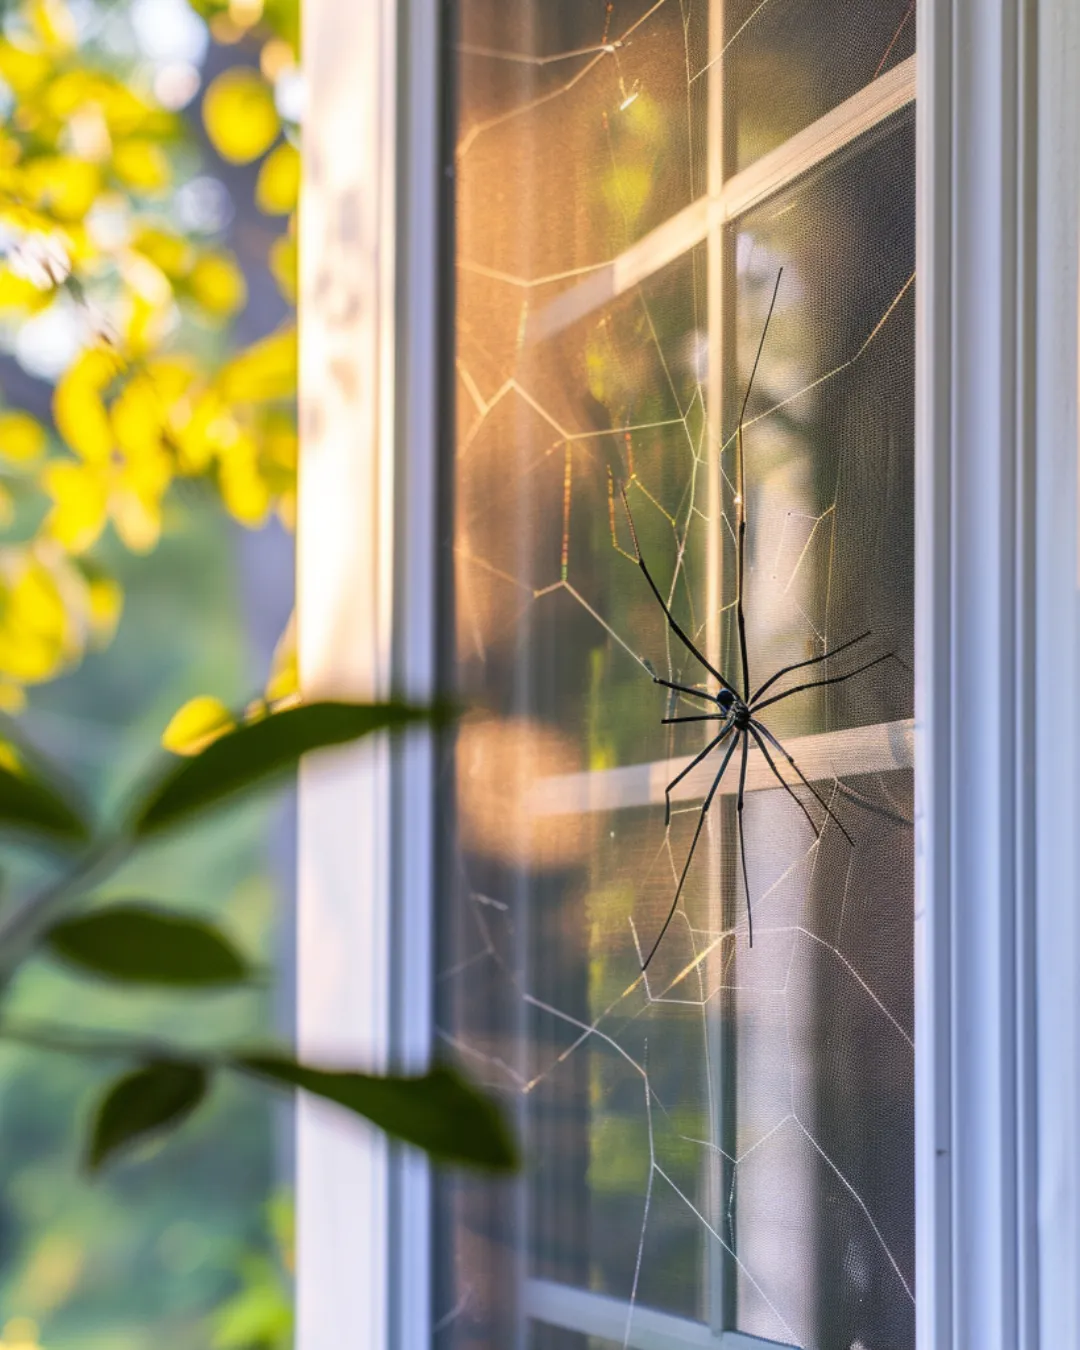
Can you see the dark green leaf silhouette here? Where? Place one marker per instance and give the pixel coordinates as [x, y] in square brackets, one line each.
[437, 1111]
[142, 944]
[261, 751]
[158, 1095]
[29, 802]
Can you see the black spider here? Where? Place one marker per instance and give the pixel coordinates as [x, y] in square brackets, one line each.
[737, 712]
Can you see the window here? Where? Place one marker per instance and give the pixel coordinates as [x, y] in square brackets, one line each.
[724, 1144]
[656, 165]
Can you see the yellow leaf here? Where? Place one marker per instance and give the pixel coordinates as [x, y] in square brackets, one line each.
[142, 165]
[244, 491]
[171, 254]
[71, 91]
[80, 504]
[22, 439]
[217, 283]
[137, 518]
[279, 444]
[278, 185]
[239, 115]
[106, 604]
[284, 681]
[196, 725]
[23, 70]
[35, 633]
[146, 279]
[148, 310]
[267, 370]
[19, 292]
[135, 501]
[286, 509]
[128, 115]
[171, 378]
[136, 417]
[12, 700]
[62, 185]
[78, 407]
[283, 266]
[196, 436]
[54, 24]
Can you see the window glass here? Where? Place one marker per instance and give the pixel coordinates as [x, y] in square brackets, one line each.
[788, 62]
[724, 1142]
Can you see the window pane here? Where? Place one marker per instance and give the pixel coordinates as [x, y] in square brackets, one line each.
[788, 62]
[819, 1013]
[729, 1141]
[585, 119]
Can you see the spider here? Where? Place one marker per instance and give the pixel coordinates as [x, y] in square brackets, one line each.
[739, 713]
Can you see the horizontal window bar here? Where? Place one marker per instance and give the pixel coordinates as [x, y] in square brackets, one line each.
[879, 748]
[763, 179]
[561, 1305]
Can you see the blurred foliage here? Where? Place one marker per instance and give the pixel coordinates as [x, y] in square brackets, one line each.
[259, 1315]
[140, 942]
[91, 163]
[62, 914]
[112, 498]
[145, 1252]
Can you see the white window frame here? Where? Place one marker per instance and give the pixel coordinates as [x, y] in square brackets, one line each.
[998, 652]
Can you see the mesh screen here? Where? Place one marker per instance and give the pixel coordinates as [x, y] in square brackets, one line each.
[727, 1139]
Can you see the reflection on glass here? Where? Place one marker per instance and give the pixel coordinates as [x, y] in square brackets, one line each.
[726, 1143]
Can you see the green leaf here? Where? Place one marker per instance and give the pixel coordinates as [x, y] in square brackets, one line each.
[160, 1094]
[249, 756]
[140, 944]
[439, 1111]
[28, 802]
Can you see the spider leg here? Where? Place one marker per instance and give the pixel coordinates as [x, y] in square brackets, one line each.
[686, 866]
[700, 717]
[764, 731]
[818, 684]
[673, 623]
[741, 494]
[684, 689]
[813, 660]
[740, 560]
[783, 783]
[742, 836]
[692, 765]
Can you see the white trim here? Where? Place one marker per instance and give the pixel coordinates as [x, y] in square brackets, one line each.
[933, 243]
[367, 550]
[975, 590]
[641, 1328]
[857, 115]
[880, 748]
[1058, 672]
[347, 270]
[413, 824]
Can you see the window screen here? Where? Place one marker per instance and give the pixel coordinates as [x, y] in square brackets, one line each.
[721, 1147]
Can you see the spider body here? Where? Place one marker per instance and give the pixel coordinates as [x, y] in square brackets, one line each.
[738, 713]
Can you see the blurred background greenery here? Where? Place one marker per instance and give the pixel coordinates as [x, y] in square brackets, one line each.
[148, 182]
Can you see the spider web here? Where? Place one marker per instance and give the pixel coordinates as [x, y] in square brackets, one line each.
[729, 1138]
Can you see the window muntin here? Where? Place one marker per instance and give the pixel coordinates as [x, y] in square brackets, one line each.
[728, 1146]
